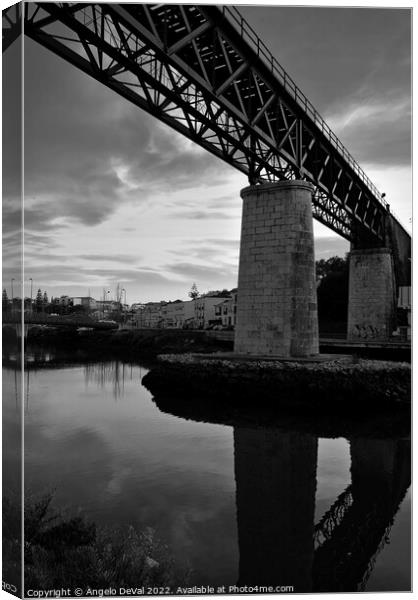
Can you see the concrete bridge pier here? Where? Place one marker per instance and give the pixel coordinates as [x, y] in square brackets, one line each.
[277, 304]
[371, 295]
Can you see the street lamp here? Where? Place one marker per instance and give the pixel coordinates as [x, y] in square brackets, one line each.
[123, 307]
[108, 292]
[12, 280]
[31, 285]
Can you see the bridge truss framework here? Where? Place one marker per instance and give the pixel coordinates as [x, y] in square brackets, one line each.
[203, 71]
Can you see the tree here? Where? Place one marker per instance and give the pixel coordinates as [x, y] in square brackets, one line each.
[194, 292]
[332, 291]
[39, 302]
[335, 264]
[5, 301]
[218, 293]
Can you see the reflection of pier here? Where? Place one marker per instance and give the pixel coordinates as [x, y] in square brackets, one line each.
[276, 477]
[276, 482]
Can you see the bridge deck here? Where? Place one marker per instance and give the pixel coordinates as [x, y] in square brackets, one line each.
[203, 71]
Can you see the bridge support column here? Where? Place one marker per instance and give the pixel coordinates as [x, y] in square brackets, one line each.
[371, 295]
[277, 305]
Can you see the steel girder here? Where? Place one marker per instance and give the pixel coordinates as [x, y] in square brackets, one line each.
[12, 25]
[203, 71]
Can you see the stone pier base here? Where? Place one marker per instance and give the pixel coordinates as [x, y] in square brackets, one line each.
[371, 295]
[277, 305]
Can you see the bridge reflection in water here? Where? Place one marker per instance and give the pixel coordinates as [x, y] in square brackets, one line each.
[276, 484]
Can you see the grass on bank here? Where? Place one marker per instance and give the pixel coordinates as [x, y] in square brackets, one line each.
[62, 551]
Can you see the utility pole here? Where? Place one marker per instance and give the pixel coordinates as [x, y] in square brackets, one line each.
[31, 285]
[123, 306]
[12, 280]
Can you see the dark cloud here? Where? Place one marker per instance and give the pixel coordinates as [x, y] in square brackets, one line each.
[11, 217]
[363, 127]
[38, 241]
[12, 238]
[331, 52]
[11, 124]
[89, 150]
[345, 57]
[123, 258]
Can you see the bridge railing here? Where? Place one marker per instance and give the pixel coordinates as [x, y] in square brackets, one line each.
[250, 36]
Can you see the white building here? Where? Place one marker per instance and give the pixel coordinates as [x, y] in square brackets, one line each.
[137, 306]
[226, 311]
[172, 314]
[204, 313]
[151, 315]
[105, 307]
[85, 301]
[189, 313]
[178, 314]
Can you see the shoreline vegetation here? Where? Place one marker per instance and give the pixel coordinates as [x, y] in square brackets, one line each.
[70, 551]
[118, 344]
[142, 344]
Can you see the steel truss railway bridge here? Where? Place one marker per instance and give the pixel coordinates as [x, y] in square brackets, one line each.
[203, 71]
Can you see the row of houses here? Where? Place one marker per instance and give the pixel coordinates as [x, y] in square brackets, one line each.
[88, 303]
[201, 313]
[91, 304]
[204, 312]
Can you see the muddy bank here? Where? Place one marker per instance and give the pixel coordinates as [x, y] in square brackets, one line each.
[337, 386]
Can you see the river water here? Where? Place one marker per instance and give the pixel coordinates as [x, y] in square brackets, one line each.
[236, 504]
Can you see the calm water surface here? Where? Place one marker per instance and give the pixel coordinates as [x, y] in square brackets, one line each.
[238, 504]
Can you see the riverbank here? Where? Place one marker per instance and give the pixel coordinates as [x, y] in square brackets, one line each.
[336, 385]
[149, 343]
[129, 345]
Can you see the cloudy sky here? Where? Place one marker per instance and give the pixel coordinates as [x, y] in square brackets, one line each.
[113, 196]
